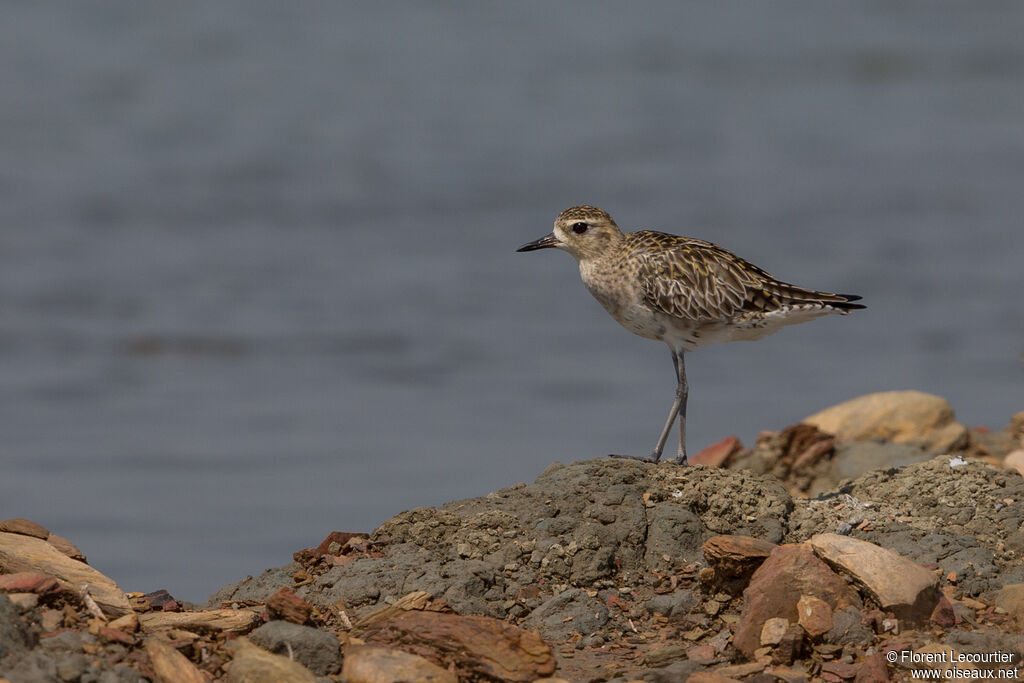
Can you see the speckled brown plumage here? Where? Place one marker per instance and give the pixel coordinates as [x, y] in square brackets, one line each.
[683, 291]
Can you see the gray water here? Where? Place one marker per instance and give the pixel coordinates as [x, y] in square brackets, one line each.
[258, 278]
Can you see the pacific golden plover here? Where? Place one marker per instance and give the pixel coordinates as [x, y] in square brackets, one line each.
[682, 291]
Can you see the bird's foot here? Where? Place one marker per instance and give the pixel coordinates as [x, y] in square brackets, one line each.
[652, 458]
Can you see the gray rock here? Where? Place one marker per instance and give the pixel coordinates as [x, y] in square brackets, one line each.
[569, 611]
[14, 635]
[673, 673]
[847, 628]
[857, 458]
[674, 537]
[675, 606]
[257, 588]
[318, 651]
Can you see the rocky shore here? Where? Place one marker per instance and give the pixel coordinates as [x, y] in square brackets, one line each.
[871, 539]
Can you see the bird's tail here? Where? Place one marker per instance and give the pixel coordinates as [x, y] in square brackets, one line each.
[793, 295]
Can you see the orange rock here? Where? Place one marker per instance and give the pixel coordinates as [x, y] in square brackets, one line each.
[815, 615]
[169, 665]
[67, 547]
[718, 454]
[369, 664]
[24, 527]
[899, 416]
[900, 586]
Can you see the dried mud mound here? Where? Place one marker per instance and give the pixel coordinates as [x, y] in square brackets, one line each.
[593, 524]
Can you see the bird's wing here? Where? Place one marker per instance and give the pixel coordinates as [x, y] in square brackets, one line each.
[698, 280]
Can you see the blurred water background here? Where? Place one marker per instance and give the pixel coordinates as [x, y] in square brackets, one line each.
[257, 269]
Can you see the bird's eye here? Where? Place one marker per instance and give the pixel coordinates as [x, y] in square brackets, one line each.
[579, 228]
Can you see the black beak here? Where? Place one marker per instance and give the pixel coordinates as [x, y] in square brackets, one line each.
[545, 242]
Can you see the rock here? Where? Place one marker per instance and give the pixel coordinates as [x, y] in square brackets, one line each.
[285, 604]
[65, 546]
[718, 454]
[129, 623]
[24, 527]
[848, 628]
[369, 664]
[873, 670]
[899, 416]
[25, 601]
[740, 670]
[475, 647]
[859, 457]
[675, 605]
[20, 553]
[1010, 598]
[318, 651]
[1015, 461]
[334, 544]
[229, 620]
[29, 582]
[569, 611]
[815, 615]
[251, 664]
[734, 559]
[789, 572]
[709, 677]
[943, 614]
[900, 586]
[169, 665]
[15, 636]
[773, 630]
[839, 669]
[791, 647]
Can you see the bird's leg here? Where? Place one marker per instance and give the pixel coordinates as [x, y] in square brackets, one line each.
[682, 393]
[677, 360]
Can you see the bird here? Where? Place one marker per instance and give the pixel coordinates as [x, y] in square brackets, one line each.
[683, 291]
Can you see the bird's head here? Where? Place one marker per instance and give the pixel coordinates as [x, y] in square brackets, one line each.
[586, 232]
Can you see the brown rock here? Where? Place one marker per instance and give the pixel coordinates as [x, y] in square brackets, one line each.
[900, 586]
[19, 553]
[718, 454]
[709, 677]
[899, 416]
[733, 558]
[1010, 598]
[815, 615]
[24, 527]
[773, 630]
[943, 614]
[24, 600]
[252, 664]
[789, 572]
[740, 670]
[114, 635]
[791, 647]
[285, 604]
[1015, 461]
[67, 547]
[841, 669]
[29, 582]
[335, 538]
[369, 664]
[873, 670]
[169, 665]
[230, 620]
[477, 648]
[129, 623]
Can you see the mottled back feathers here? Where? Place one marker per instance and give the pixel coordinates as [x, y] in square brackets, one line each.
[698, 280]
